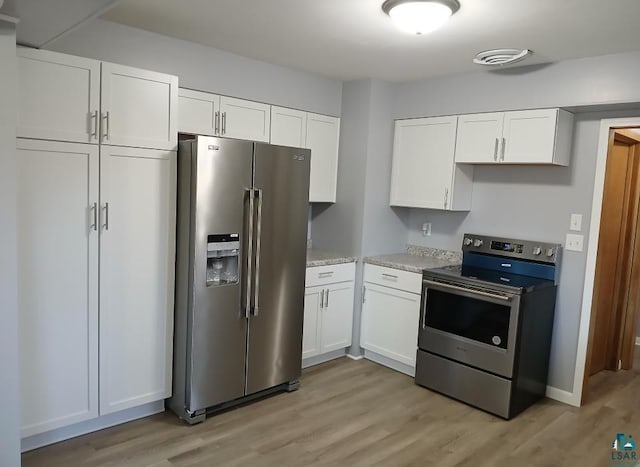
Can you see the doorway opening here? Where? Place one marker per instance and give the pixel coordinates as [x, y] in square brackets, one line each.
[613, 328]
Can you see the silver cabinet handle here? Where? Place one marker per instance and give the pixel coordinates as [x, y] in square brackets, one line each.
[364, 294]
[105, 119]
[323, 275]
[446, 197]
[495, 150]
[322, 299]
[504, 147]
[258, 243]
[389, 276]
[247, 297]
[106, 216]
[94, 210]
[94, 125]
[224, 123]
[216, 123]
[326, 301]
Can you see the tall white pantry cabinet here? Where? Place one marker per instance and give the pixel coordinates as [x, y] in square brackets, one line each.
[96, 228]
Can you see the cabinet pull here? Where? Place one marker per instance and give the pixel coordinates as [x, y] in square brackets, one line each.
[216, 123]
[224, 122]
[105, 119]
[94, 209]
[94, 125]
[495, 150]
[326, 300]
[389, 276]
[364, 294]
[504, 147]
[323, 275]
[322, 299]
[446, 197]
[106, 216]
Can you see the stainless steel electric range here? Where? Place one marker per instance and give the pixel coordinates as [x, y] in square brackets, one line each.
[485, 326]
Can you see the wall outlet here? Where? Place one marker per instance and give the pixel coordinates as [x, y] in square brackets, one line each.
[426, 229]
[576, 222]
[574, 242]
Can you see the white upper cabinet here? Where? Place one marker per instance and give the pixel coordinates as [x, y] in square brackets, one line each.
[59, 96]
[139, 108]
[74, 99]
[288, 127]
[57, 196]
[198, 112]
[479, 138]
[541, 136]
[243, 119]
[424, 174]
[323, 137]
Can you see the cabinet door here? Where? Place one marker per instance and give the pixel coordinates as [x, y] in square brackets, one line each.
[57, 283]
[288, 127]
[137, 252]
[311, 327]
[323, 136]
[390, 323]
[479, 138]
[423, 162]
[529, 136]
[242, 119]
[59, 96]
[139, 108]
[198, 112]
[337, 317]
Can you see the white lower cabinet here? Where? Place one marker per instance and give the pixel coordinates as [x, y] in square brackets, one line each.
[328, 309]
[95, 280]
[390, 316]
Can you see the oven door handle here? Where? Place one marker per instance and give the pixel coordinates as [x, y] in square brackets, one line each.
[506, 298]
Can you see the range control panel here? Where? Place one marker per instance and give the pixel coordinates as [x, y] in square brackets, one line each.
[523, 249]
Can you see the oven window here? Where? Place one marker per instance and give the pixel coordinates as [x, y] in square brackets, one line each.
[472, 318]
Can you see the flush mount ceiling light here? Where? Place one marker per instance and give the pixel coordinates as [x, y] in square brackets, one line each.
[420, 16]
[499, 57]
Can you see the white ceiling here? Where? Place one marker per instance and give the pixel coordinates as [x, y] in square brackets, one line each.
[352, 39]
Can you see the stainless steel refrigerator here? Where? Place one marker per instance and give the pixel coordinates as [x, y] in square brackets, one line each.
[241, 259]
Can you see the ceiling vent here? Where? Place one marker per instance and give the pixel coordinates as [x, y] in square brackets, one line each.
[500, 57]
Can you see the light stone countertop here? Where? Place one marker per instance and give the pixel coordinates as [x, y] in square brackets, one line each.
[417, 259]
[325, 258]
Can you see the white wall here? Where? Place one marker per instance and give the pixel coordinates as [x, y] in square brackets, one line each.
[9, 402]
[203, 68]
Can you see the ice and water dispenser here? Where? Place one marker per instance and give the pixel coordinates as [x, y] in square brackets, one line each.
[223, 254]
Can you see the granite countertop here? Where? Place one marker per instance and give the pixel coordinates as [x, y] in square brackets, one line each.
[416, 259]
[325, 258]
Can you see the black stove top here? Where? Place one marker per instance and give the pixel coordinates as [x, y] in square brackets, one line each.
[488, 278]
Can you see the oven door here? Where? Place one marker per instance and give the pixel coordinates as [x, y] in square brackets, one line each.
[471, 325]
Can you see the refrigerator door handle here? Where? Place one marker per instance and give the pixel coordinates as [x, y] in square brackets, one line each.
[256, 287]
[247, 293]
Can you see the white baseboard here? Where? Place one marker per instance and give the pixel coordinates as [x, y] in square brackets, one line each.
[563, 396]
[82, 428]
[390, 363]
[355, 357]
[318, 359]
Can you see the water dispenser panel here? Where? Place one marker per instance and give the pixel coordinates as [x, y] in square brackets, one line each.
[223, 255]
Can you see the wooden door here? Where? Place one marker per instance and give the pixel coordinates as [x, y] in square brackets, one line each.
[57, 283]
[337, 317]
[137, 256]
[423, 162]
[617, 279]
[479, 138]
[311, 326]
[242, 119]
[529, 136]
[288, 127]
[139, 108]
[323, 137]
[198, 112]
[59, 96]
[390, 323]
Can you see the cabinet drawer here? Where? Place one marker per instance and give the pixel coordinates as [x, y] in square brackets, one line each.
[396, 278]
[322, 275]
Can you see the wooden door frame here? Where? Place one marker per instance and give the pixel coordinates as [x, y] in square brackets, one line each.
[606, 126]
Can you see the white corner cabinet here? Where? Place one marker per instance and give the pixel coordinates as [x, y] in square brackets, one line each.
[424, 173]
[328, 311]
[203, 113]
[75, 99]
[96, 250]
[321, 134]
[390, 317]
[541, 136]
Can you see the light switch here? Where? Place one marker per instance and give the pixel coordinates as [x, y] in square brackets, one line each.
[426, 229]
[576, 222]
[574, 242]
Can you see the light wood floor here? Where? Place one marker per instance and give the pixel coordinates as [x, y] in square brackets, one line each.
[350, 413]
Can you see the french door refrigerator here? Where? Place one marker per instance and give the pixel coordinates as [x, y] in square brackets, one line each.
[241, 259]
